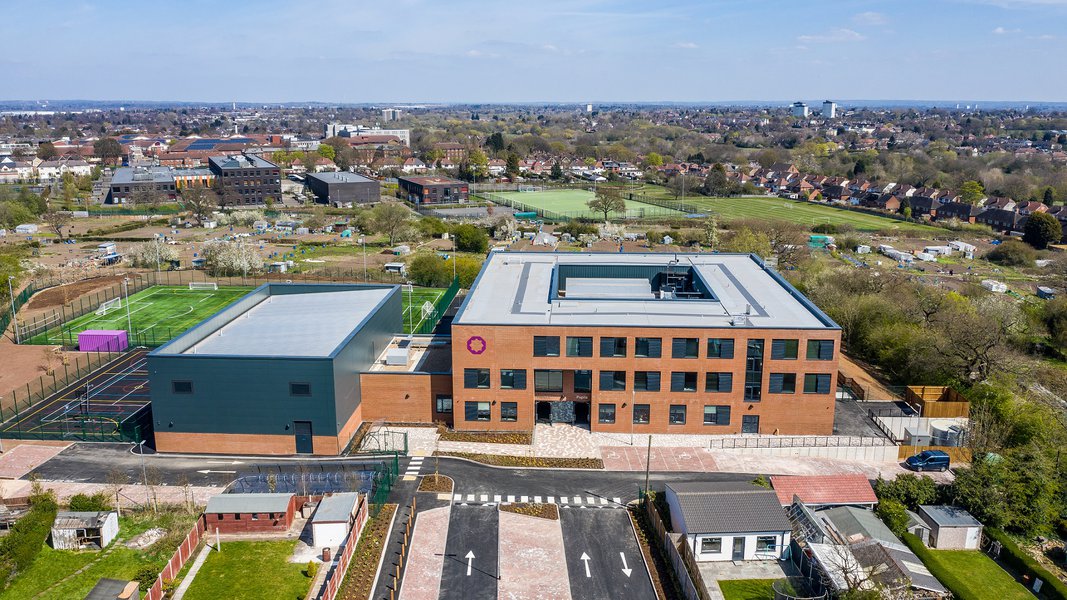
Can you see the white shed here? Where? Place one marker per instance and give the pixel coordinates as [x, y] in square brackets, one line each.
[994, 286]
[951, 528]
[26, 228]
[333, 519]
[84, 530]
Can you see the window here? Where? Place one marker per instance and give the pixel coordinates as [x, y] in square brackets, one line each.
[684, 348]
[509, 411]
[750, 424]
[513, 379]
[719, 383]
[782, 383]
[476, 411]
[716, 415]
[181, 387]
[646, 381]
[444, 403]
[299, 389]
[546, 345]
[579, 346]
[754, 371]
[817, 383]
[548, 380]
[766, 543]
[237, 516]
[255, 516]
[583, 381]
[606, 413]
[612, 347]
[720, 348]
[820, 349]
[784, 349]
[641, 412]
[677, 415]
[648, 347]
[710, 545]
[475, 378]
[683, 381]
[612, 381]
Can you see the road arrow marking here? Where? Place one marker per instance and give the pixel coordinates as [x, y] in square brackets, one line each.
[224, 462]
[585, 559]
[625, 569]
[470, 561]
[206, 471]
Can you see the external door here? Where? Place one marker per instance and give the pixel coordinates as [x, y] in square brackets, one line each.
[739, 548]
[581, 413]
[304, 444]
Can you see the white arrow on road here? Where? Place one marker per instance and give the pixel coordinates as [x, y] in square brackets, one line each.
[585, 559]
[625, 569]
[223, 462]
[470, 561]
[206, 471]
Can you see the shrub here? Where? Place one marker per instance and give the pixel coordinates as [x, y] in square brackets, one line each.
[827, 228]
[577, 228]
[19, 549]
[470, 238]
[95, 503]
[908, 490]
[430, 270]
[1020, 560]
[894, 515]
[146, 576]
[312, 569]
[1013, 253]
[1042, 229]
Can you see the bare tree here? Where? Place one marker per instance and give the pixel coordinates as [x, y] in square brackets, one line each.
[607, 200]
[116, 479]
[56, 221]
[391, 219]
[200, 202]
[153, 479]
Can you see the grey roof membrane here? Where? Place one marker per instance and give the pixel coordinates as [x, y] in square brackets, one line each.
[731, 507]
[248, 503]
[514, 288]
[306, 325]
[950, 516]
[336, 508]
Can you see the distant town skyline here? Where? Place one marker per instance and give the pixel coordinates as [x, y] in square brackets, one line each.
[556, 51]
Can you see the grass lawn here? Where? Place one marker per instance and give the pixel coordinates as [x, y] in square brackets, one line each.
[747, 589]
[413, 303]
[975, 575]
[57, 567]
[574, 203]
[804, 213]
[160, 313]
[251, 571]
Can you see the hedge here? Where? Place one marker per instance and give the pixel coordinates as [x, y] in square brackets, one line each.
[19, 549]
[948, 578]
[1021, 561]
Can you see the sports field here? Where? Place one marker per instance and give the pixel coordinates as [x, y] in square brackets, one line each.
[157, 314]
[413, 305]
[573, 203]
[804, 213]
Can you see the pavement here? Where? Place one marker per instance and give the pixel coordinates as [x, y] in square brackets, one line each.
[534, 560]
[422, 574]
[20, 460]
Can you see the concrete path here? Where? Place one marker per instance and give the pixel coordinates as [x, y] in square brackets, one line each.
[18, 461]
[422, 575]
[627, 458]
[193, 570]
[533, 564]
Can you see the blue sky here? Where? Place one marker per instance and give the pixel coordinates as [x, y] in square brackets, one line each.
[547, 50]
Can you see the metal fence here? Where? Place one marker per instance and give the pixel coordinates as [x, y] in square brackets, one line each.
[661, 209]
[802, 441]
[23, 397]
[440, 307]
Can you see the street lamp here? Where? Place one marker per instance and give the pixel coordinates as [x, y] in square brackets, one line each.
[363, 240]
[11, 293]
[410, 289]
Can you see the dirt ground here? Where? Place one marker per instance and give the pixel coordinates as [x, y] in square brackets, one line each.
[23, 364]
[62, 294]
[876, 390]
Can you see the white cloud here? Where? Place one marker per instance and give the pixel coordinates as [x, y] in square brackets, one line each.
[1003, 31]
[686, 45]
[870, 18]
[832, 36]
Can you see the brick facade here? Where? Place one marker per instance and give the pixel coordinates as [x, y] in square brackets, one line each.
[227, 523]
[405, 397]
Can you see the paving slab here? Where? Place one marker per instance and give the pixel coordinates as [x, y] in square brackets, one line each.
[533, 563]
[629, 458]
[422, 575]
[18, 461]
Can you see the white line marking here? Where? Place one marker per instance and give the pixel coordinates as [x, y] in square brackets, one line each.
[577, 499]
[626, 570]
[457, 497]
[551, 500]
[590, 500]
[585, 559]
[485, 497]
[511, 498]
[524, 499]
[537, 499]
[470, 497]
[603, 500]
[496, 498]
[617, 500]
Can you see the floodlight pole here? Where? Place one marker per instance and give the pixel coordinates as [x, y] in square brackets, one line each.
[363, 240]
[11, 293]
[411, 291]
[126, 292]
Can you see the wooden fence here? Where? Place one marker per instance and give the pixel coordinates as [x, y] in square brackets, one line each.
[937, 402]
[174, 565]
[691, 583]
[955, 453]
[336, 576]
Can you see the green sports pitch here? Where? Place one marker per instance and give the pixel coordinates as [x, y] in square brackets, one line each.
[415, 303]
[804, 213]
[574, 203]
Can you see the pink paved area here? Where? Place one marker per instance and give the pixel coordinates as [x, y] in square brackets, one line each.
[631, 458]
[533, 565]
[18, 461]
[422, 576]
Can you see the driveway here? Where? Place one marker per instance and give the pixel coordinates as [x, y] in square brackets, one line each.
[471, 567]
[604, 561]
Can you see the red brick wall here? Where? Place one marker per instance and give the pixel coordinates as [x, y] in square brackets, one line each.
[228, 523]
[510, 347]
[403, 397]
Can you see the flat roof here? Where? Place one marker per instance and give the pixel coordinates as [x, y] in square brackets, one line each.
[337, 508]
[949, 516]
[242, 161]
[433, 180]
[248, 503]
[309, 324]
[340, 177]
[739, 290]
[124, 175]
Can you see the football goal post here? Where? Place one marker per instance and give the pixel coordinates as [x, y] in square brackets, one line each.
[203, 285]
[108, 305]
[531, 188]
[427, 310]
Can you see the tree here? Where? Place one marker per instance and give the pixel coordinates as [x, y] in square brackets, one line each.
[717, 183]
[1042, 229]
[391, 219]
[711, 232]
[326, 151]
[342, 151]
[894, 515]
[199, 201]
[467, 270]
[47, 151]
[153, 254]
[229, 259]
[430, 270]
[607, 200]
[495, 142]
[56, 221]
[478, 163]
[470, 238]
[653, 160]
[972, 192]
[512, 164]
[309, 161]
[108, 150]
[557, 171]
[1049, 196]
[1012, 253]
[747, 241]
[908, 490]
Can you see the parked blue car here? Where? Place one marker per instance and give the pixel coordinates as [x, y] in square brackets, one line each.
[929, 460]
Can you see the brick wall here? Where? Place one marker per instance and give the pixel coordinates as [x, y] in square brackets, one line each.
[404, 397]
[251, 522]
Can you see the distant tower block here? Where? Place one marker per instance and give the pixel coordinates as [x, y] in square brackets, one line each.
[799, 110]
[829, 109]
[588, 108]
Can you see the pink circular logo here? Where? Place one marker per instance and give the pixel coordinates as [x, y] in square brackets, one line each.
[476, 344]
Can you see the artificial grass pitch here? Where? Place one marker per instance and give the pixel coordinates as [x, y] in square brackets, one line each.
[413, 302]
[574, 203]
[157, 314]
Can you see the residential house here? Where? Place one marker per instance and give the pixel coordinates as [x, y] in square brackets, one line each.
[451, 150]
[53, 170]
[924, 206]
[1001, 219]
[729, 521]
[1030, 207]
[958, 210]
[413, 165]
[497, 167]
